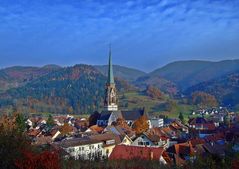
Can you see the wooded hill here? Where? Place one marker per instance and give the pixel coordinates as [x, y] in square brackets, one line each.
[80, 88]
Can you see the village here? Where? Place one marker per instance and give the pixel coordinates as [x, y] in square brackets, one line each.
[172, 142]
[133, 134]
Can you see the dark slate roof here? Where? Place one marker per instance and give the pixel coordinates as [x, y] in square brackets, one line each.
[215, 148]
[132, 115]
[197, 120]
[105, 115]
[200, 120]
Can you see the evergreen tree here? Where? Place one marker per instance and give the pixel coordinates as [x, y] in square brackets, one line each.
[20, 122]
[50, 121]
[181, 117]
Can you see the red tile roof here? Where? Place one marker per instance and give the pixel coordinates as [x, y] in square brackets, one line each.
[34, 132]
[133, 152]
[215, 137]
[197, 141]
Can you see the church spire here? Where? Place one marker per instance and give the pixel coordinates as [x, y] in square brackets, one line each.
[110, 69]
[110, 101]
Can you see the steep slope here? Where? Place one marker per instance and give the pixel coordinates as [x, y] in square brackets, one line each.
[188, 73]
[126, 73]
[224, 88]
[16, 76]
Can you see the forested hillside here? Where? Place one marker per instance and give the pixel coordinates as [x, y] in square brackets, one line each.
[224, 88]
[78, 89]
[16, 76]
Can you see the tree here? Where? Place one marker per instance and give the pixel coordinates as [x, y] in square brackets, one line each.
[93, 118]
[141, 125]
[154, 92]
[122, 123]
[20, 122]
[204, 99]
[181, 117]
[7, 123]
[50, 121]
[11, 141]
[16, 151]
[65, 129]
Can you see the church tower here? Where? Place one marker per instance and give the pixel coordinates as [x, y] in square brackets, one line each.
[110, 101]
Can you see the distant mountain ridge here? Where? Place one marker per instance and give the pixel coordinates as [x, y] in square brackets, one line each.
[129, 74]
[188, 73]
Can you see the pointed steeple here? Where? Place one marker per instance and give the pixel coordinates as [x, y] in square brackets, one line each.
[110, 101]
[110, 69]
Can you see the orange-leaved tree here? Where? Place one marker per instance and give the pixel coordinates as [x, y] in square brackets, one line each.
[65, 129]
[122, 123]
[141, 125]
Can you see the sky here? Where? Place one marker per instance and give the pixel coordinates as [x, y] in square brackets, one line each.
[144, 34]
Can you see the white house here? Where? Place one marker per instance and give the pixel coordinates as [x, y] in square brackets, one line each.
[151, 141]
[83, 148]
[142, 140]
[156, 122]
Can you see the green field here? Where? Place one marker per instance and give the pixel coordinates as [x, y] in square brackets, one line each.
[164, 106]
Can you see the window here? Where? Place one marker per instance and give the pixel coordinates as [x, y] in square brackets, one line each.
[140, 143]
[71, 150]
[110, 141]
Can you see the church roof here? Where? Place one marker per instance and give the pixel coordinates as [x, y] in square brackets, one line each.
[105, 115]
[132, 115]
[127, 115]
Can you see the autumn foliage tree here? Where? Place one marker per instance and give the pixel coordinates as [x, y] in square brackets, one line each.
[154, 92]
[65, 129]
[11, 141]
[122, 123]
[141, 125]
[203, 99]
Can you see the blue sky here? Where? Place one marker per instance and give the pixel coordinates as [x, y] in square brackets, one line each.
[144, 34]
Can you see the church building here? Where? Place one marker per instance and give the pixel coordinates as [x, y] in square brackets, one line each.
[111, 113]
